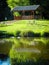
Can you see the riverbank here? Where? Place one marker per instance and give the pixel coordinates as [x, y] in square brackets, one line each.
[24, 28]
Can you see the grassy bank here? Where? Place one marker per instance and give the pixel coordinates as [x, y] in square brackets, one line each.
[35, 26]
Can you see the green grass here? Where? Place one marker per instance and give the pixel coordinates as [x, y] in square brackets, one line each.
[37, 26]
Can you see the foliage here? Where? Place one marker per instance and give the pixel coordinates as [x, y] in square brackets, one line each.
[45, 7]
[13, 3]
[5, 13]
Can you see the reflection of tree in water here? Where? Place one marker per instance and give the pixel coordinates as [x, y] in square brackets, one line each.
[5, 13]
[30, 62]
[5, 46]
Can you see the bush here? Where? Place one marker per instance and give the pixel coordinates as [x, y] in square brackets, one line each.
[18, 34]
[46, 34]
[4, 34]
[30, 34]
[37, 35]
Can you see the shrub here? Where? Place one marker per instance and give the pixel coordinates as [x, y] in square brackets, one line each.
[4, 34]
[30, 34]
[18, 33]
[46, 34]
[37, 35]
[27, 34]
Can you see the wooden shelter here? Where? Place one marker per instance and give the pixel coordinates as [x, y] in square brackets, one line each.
[28, 12]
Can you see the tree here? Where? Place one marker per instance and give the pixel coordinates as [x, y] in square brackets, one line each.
[5, 13]
[44, 4]
[13, 3]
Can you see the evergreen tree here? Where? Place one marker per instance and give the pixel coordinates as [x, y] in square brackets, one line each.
[5, 11]
[45, 6]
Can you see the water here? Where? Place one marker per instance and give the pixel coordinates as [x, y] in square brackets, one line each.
[24, 51]
[5, 62]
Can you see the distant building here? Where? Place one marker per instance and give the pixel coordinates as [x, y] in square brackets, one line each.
[28, 12]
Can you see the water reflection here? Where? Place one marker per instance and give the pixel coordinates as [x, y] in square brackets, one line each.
[5, 62]
[5, 46]
[29, 50]
[26, 51]
[4, 59]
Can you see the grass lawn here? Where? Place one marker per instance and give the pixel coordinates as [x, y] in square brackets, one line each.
[37, 26]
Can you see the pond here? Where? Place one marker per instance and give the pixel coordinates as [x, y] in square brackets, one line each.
[5, 62]
[24, 51]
